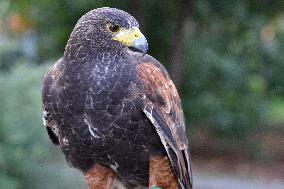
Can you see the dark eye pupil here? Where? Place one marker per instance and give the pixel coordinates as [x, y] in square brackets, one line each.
[114, 28]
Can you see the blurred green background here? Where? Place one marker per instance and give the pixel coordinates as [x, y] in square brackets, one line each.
[226, 58]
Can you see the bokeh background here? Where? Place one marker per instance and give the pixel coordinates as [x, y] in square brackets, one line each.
[226, 58]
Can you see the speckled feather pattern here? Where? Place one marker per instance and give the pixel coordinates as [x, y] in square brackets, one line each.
[94, 102]
[100, 120]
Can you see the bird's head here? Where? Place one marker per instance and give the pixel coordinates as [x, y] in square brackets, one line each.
[108, 28]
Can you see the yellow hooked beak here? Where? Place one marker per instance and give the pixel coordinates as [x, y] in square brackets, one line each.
[132, 38]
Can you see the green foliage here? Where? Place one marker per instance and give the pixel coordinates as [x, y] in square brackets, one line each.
[19, 115]
[275, 115]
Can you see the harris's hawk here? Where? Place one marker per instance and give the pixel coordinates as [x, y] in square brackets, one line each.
[114, 110]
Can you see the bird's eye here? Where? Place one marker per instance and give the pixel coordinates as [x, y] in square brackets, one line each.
[114, 28]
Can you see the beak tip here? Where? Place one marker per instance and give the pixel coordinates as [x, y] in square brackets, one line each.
[141, 44]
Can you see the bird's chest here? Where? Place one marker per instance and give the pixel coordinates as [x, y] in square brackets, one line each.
[107, 123]
[96, 87]
[102, 99]
[112, 117]
[107, 93]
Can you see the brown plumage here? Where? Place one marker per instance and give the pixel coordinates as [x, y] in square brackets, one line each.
[99, 177]
[115, 113]
[161, 173]
[162, 106]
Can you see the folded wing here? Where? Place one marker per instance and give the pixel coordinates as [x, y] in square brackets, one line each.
[162, 106]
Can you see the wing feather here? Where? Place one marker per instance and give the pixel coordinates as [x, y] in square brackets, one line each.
[48, 97]
[162, 106]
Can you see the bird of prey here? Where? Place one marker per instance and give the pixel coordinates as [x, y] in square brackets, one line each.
[113, 109]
